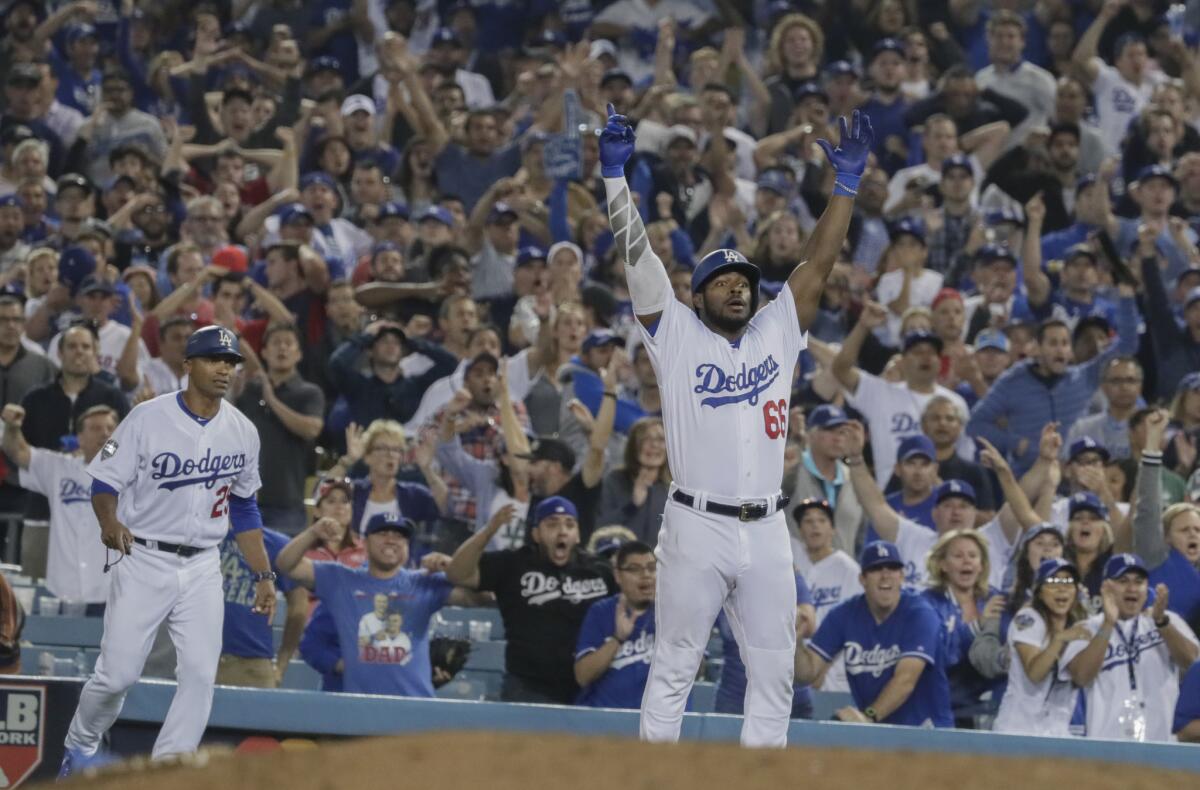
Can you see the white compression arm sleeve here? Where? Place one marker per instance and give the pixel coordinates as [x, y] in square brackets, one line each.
[649, 285]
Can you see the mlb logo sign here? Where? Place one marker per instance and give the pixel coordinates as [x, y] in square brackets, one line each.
[22, 732]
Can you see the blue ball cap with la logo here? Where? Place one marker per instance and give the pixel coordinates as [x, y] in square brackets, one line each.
[878, 554]
[1086, 500]
[213, 341]
[554, 506]
[389, 522]
[1053, 565]
[1086, 444]
[1120, 564]
[951, 488]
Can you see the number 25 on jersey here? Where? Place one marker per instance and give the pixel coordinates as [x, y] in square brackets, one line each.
[221, 507]
[775, 416]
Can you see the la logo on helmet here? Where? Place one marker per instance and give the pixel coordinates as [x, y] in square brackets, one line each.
[226, 338]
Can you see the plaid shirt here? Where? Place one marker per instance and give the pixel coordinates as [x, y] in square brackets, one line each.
[946, 255]
[486, 443]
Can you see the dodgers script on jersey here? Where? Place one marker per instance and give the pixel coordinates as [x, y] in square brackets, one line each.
[188, 469]
[734, 392]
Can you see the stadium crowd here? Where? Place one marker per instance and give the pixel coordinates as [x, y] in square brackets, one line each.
[991, 446]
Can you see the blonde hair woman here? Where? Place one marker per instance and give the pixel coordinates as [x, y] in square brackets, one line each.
[958, 567]
[794, 55]
[383, 449]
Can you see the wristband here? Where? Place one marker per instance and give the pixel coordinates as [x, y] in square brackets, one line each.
[612, 395]
[845, 184]
[1163, 623]
[612, 171]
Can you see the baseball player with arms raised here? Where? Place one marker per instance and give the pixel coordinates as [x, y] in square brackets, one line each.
[725, 372]
[165, 488]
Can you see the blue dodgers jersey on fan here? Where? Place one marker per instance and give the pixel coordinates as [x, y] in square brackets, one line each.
[383, 626]
[622, 685]
[731, 687]
[872, 650]
[245, 633]
[1183, 580]
[1187, 709]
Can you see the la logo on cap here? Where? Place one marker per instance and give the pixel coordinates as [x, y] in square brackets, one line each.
[954, 486]
[730, 255]
[883, 552]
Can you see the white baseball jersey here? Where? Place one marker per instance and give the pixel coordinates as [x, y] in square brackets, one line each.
[1030, 708]
[1137, 668]
[733, 393]
[161, 378]
[916, 541]
[830, 581]
[893, 413]
[921, 292]
[175, 472]
[1119, 101]
[113, 336]
[75, 565]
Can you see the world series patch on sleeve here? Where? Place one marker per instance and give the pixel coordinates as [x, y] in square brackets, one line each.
[23, 734]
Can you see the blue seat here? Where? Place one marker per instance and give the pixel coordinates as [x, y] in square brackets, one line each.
[66, 631]
[704, 697]
[487, 656]
[301, 676]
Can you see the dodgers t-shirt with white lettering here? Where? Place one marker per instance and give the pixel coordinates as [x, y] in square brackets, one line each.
[245, 633]
[383, 626]
[872, 650]
[621, 686]
[543, 606]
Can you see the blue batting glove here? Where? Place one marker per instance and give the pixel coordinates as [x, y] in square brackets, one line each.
[849, 159]
[616, 145]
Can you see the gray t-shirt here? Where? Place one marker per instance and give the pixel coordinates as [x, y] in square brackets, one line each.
[287, 458]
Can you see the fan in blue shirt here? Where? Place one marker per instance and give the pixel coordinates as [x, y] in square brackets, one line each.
[381, 611]
[616, 638]
[893, 648]
[246, 635]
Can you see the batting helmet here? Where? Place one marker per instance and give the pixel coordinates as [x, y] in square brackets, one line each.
[213, 341]
[719, 261]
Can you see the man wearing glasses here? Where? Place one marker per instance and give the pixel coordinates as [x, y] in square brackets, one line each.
[616, 639]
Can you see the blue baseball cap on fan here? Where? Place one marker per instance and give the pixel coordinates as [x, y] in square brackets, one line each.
[951, 488]
[1120, 564]
[390, 522]
[74, 265]
[912, 446]
[554, 506]
[878, 554]
[1086, 500]
[1053, 565]
[1086, 444]
[826, 416]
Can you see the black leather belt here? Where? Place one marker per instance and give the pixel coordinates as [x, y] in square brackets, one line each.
[747, 511]
[169, 548]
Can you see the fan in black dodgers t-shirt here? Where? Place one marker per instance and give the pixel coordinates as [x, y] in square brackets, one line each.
[544, 589]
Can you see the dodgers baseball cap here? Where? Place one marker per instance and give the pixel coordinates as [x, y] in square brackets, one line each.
[907, 225]
[358, 103]
[11, 201]
[391, 208]
[1192, 297]
[826, 416]
[776, 181]
[912, 446]
[615, 74]
[992, 339]
[1120, 564]
[213, 341]
[1091, 320]
[888, 44]
[954, 488]
[879, 554]
[68, 180]
[323, 63]
[601, 47]
[79, 32]
[602, 337]
[995, 252]
[443, 36]
[1080, 250]
[437, 214]
[501, 211]
[317, 178]
[554, 506]
[93, 284]
[839, 68]
[1051, 566]
[26, 74]
[958, 162]
[295, 212]
[482, 358]
[529, 254]
[389, 522]
[1157, 171]
[75, 264]
[550, 449]
[1086, 444]
[1037, 530]
[918, 336]
[809, 88]
[1086, 500]
[805, 505]
[388, 329]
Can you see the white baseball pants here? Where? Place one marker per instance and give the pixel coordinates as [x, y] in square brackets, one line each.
[706, 561]
[148, 587]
